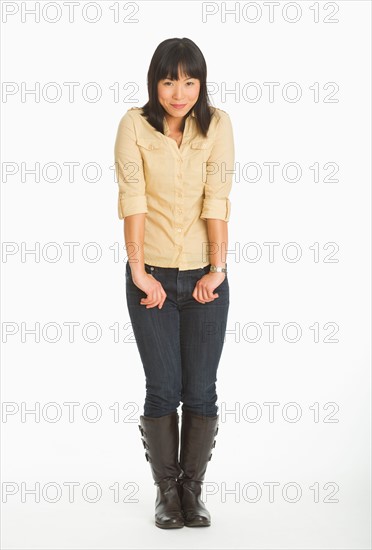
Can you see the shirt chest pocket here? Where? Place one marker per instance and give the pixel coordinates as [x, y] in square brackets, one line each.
[152, 153]
[200, 150]
[156, 163]
[148, 144]
[202, 144]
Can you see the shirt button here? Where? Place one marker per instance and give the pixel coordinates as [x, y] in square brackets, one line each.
[179, 229]
[179, 211]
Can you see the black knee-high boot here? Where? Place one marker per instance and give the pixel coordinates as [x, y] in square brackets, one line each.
[160, 437]
[197, 441]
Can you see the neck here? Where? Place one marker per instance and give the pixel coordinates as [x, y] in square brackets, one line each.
[175, 124]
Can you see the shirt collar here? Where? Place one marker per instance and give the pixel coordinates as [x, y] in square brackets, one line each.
[166, 127]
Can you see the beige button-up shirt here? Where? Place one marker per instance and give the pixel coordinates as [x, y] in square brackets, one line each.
[177, 188]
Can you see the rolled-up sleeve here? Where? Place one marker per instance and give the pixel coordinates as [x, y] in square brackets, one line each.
[219, 172]
[129, 170]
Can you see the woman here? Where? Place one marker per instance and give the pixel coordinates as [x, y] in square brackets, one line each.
[174, 159]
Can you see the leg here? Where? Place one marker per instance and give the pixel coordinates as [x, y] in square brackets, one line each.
[197, 442]
[157, 337]
[203, 329]
[160, 438]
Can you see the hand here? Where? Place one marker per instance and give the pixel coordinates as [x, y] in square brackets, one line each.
[156, 294]
[203, 291]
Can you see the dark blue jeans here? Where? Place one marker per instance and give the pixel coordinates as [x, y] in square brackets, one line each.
[180, 345]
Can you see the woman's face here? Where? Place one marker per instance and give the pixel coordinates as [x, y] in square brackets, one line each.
[177, 97]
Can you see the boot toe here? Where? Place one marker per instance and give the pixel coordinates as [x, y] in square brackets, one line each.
[197, 520]
[171, 522]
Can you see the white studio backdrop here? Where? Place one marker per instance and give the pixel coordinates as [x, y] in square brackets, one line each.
[291, 465]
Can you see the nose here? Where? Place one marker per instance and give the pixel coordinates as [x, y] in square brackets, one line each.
[177, 95]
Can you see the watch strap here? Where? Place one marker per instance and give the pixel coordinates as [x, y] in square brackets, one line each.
[217, 269]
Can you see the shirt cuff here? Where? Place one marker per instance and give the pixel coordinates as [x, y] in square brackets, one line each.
[131, 205]
[216, 208]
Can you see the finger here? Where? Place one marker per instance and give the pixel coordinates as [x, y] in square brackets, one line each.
[163, 299]
[211, 293]
[154, 292]
[199, 295]
[207, 297]
[152, 304]
[150, 299]
[158, 296]
[155, 299]
[195, 293]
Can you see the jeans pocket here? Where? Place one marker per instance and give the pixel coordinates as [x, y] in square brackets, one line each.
[223, 286]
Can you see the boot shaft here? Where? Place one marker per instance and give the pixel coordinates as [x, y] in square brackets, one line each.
[160, 438]
[197, 443]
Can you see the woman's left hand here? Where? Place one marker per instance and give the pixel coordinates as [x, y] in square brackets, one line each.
[203, 291]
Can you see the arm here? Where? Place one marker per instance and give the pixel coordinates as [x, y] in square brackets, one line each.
[216, 206]
[132, 207]
[132, 202]
[134, 232]
[217, 237]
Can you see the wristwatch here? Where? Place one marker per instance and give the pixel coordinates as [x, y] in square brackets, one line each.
[217, 269]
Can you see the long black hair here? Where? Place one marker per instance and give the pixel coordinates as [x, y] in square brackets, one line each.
[173, 55]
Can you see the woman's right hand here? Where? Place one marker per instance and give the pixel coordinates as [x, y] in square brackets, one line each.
[156, 294]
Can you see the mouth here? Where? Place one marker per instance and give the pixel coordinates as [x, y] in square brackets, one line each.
[178, 106]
